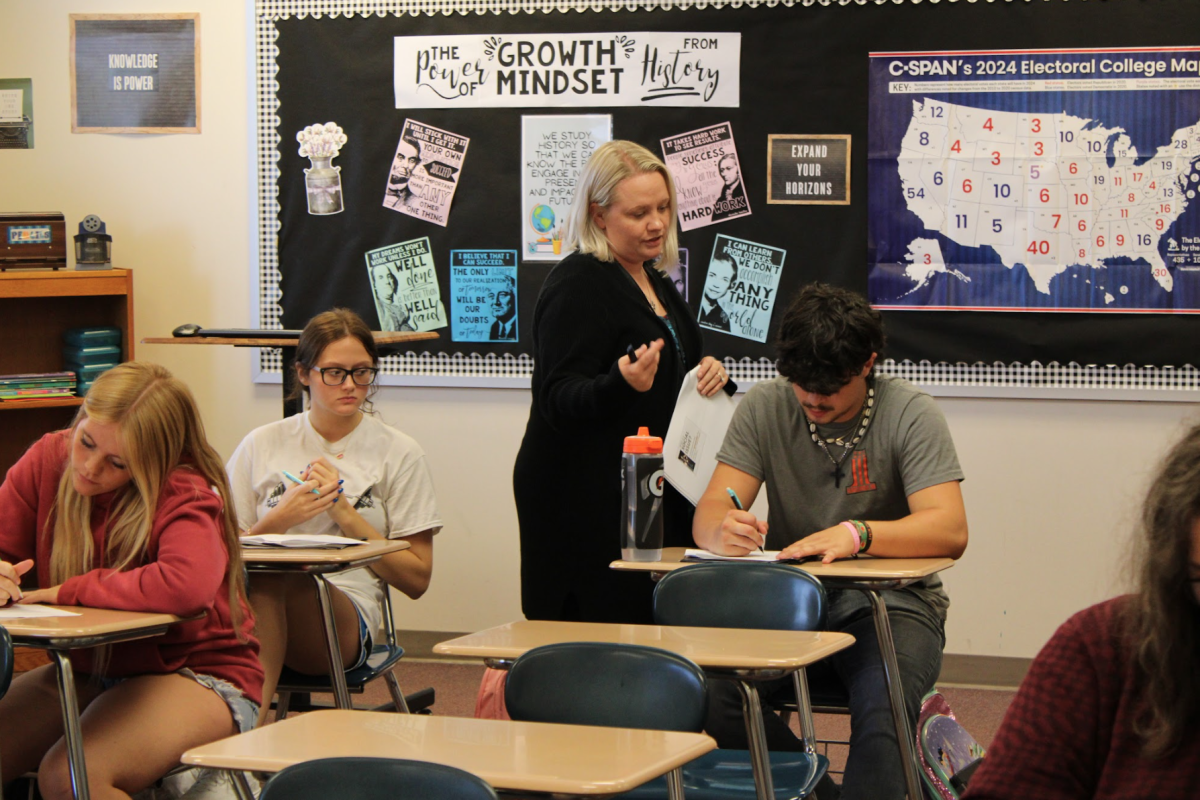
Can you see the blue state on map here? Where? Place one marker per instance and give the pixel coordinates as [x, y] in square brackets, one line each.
[1050, 192]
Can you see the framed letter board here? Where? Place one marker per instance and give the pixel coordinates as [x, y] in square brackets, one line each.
[135, 73]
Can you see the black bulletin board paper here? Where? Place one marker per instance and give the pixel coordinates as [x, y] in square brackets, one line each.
[804, 70]
[135, 73]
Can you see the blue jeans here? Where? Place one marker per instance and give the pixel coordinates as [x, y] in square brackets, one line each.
[873, 769]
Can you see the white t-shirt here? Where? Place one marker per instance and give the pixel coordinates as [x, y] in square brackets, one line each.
[385, 476]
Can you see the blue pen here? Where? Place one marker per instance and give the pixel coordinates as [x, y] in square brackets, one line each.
[737, 503]
[297, 481]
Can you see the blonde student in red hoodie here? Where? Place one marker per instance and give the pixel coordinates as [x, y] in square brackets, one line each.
[128, 509]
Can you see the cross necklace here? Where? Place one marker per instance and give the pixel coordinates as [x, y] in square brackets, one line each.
[864, 422]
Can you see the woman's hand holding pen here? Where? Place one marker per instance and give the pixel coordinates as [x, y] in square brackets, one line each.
[326, 474]
[10, 580]
[300, 503]
[711, 377]
[638, 367]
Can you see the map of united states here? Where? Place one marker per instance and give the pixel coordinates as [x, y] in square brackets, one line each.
[1045, 191]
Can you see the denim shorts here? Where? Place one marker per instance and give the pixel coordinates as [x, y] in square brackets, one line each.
[364, 640]
[243, 710]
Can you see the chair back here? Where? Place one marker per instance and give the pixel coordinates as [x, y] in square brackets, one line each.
[612, 685]
[6, 660]
[752, 595]
[360, 778]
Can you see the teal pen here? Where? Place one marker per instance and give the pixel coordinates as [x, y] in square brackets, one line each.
[737, 503]
[297, 481]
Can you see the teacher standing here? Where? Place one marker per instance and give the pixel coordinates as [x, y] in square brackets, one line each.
[589, 394]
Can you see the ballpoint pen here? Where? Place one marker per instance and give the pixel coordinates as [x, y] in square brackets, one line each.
[296, 480]
[737, 503]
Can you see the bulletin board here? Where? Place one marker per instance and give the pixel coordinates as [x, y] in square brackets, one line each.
[803, 71]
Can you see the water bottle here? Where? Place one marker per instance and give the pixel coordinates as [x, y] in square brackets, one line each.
[642, 488]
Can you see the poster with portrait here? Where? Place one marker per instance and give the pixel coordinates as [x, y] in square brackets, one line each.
[554, 150]
[741, 287]
[404, 282]
[708, 176]
[679, 274]
[424, 172]
[483, 295]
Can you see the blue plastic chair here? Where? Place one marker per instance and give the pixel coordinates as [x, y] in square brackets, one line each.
[611, 685]
[359, 778]
[760, 596]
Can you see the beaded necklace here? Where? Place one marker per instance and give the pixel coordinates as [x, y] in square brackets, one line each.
[823, 444]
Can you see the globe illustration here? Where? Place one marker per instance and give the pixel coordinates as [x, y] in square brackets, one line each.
[542, 218]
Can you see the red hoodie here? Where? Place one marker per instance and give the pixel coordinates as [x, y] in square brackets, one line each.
[183, 572]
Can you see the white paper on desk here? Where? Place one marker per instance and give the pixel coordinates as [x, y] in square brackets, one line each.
[697, 430]
[33, 610]
[299, 540]
[704, 555]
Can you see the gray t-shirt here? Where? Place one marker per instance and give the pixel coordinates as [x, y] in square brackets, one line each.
[907, 448]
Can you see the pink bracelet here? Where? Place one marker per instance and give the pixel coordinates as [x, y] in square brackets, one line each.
[850, 526]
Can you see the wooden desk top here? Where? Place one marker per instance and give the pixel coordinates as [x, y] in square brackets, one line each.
[93, 626]
[319, 559]
[381, 337]
[847, 571]
[518, 756]
[713, 648]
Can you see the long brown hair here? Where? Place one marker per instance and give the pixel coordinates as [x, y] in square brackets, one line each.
[161, 431]
[1163, 617]
[323, 330]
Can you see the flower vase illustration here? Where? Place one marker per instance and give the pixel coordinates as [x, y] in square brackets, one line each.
[323, 181]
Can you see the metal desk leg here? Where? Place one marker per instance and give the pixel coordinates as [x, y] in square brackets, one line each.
[241, 786]
[891, 670]
[71, 729]
[756, 733]
[337, 676]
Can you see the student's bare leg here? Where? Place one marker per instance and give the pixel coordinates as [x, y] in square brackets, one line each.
[135, 732]
[290, 631]
[31, 719]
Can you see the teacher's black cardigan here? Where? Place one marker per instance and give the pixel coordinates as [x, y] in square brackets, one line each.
[567, 477]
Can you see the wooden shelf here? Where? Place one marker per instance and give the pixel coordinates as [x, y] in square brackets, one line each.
[53, 402]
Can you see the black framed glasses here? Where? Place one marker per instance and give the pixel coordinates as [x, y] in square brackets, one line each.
[336, 376]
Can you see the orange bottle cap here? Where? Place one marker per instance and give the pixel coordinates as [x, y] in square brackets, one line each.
[643, 442]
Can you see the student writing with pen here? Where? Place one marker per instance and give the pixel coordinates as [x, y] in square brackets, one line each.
[854, 463]
[356, 477]
[612, 342]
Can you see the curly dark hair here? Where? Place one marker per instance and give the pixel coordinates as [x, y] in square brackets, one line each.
[827, 335]
[1163, 618]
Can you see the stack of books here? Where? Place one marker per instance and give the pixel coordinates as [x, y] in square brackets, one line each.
[36, 386]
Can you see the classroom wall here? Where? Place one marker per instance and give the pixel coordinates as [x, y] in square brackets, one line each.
[1051, 485]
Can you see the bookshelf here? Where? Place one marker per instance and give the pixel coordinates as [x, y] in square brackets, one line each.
[36, 308]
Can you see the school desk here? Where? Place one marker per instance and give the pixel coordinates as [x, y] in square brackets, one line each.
[514, 756]
[319, 563]
[93, 627]
[869, 575]
[385, 340]
[742, 655]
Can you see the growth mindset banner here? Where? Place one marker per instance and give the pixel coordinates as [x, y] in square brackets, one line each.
[585, 70]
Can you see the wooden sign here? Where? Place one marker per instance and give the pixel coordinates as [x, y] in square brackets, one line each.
[135, 73]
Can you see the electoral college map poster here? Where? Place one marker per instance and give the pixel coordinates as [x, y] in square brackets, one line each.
[1036, 180]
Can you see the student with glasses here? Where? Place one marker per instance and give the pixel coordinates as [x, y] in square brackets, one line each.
[359, 478]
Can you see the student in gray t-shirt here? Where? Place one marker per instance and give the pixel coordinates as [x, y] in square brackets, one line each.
[853, 463]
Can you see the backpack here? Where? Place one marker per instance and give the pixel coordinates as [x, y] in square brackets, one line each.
[948, 754]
